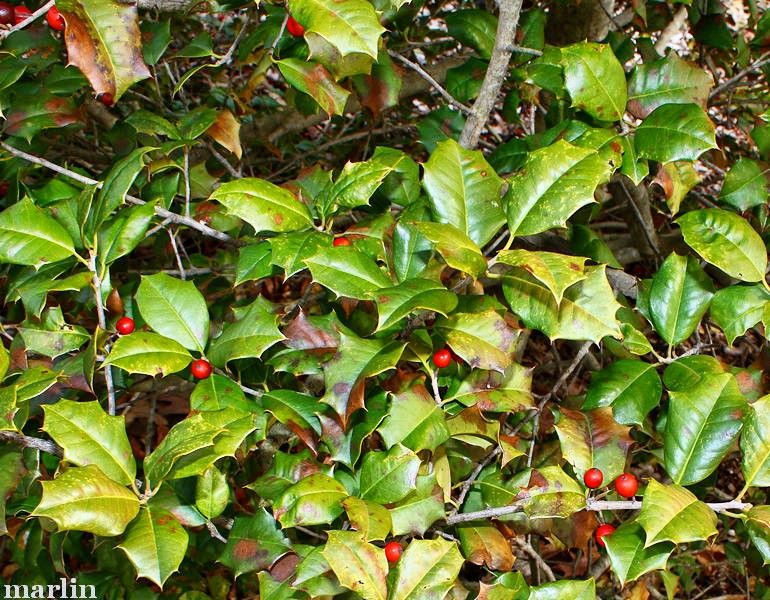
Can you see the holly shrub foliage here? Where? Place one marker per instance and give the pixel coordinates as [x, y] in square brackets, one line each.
[595, 273]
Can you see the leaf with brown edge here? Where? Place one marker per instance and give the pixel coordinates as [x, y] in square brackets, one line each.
[226, 131]
[28, 116]
[104, 42]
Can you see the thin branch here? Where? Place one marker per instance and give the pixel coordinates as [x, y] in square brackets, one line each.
[215, 532]
[227, 56]
[31, 442]
[670, 31]
[497, 71]
[757, 64]
[427, 77]
[35, 15]
[524, 50]
[161, 212]
[469, 482]
[534, 554]
[97, 285]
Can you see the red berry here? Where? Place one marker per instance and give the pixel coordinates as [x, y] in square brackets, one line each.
[593, 478]
[6, 13]
[442, 358]
[294, 28]
[392, 551]
[201, 368]
[341, 241]
[55, 19]
[626, 485]
[106, 99]
[601, 531]
[4, 187]
[21, 13]
[125, 325]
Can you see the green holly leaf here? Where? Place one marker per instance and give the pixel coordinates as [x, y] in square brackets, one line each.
[672, 513]
[554, 183]
[315, 80]
[677, 179]
[755, 444]
[565, 590]
[758, 525]
[89, 436]
[736, 308]
[414, 420]
[474, 28]
[633, 167]
[556, 271]
[675, 132]
[104, 42]
[314, 500]
[254, 262]
[217, 392]
[124, 232]
[175, 309]
[148, 353]
[12, 469]
[29, 115]
[456, 248]
[550, 492]
[387, 477]
[744, 186]
[371, 520]
[253, 331]
[427, 570]
[155, 543]
[85, 499]
[263, 205]
[350, 25]
[595, 80]
[631, 387]
[360, 566]
[593, 439]
[290, 250]
[484, 340]
[254, 544]
[29, 236]
[669, 80]
[629, 557]
[703, 424]
[493, 391]
[347, 272]
[464, 191]
[395, 303]
[483, 544]
[679, 297]
[421, 508]
[727, 241]
[212, 492]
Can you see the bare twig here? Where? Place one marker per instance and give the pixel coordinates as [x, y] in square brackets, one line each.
[227, 56]
[161, 212]
[35, 15]
[427, 77]
[757, 64]
[97, 285]
[31, 442]
[215, 532]
[532, 553]
[469, 482]
[496, 73]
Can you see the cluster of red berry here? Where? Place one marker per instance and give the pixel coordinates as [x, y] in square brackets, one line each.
[10, 14]
[626, 485]
[200, 368]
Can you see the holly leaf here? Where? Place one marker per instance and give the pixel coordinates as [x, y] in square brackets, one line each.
[483, 544]
[313, 79]
[212, 493]
[672, 513]
[755, 444]
[263, 205]
[595, 80]
[395, 303]
[253, 331]
[464, 191]
[675, 132]
[631, 387]
[555, 182]
[758, 526]
[104, 42]
[421, 508]
[254, 544]
[727, 241]
[669, 80]
[85, 499]
[175, 309]
[155, 543]
[348, 25]
[483, 339]
[629, 557]
[493, 391]
[347, 272]
[89, 436]
[736, 308]
[148, 353]
[556, 271]
[427, 570]
[290, 250]
[360, 566]
[679, 297]
[744, 186]
[314, 500]
[456, 248]
[593, 439]
[414, 420]
[550, 492]
[225, 130]
[387, 477]
[28, 116]
[565, 590]
[371, 520]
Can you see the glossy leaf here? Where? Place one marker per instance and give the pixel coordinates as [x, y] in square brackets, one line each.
[313, 79]
[745, 185]
[675, 132]
[347, 272]
[212, 493]
[672, 513]
[484, 340]
[395, 303]
[388, 476]
[314, 500]
[255, 542]
[426, 570]
[758, 525]
[509, 391]
[85, 499]
[28, 236]
[736, 308]
[679, 297]
[555, 182]
[175, 309]
[755, 444]
[556, 271]
[483, 544]
[565, 590]
[420, 509]
[457, 249]
[371, 520]
[148, 353]
[253, 331]
[550, 492]
[629, 557]
[727, 241]
[595, 80]
[89, 436]
[474, 28]
[631, 387]
[155, 543]
[414, 420]
[464, 191]
[360, 566]
[290, 250]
